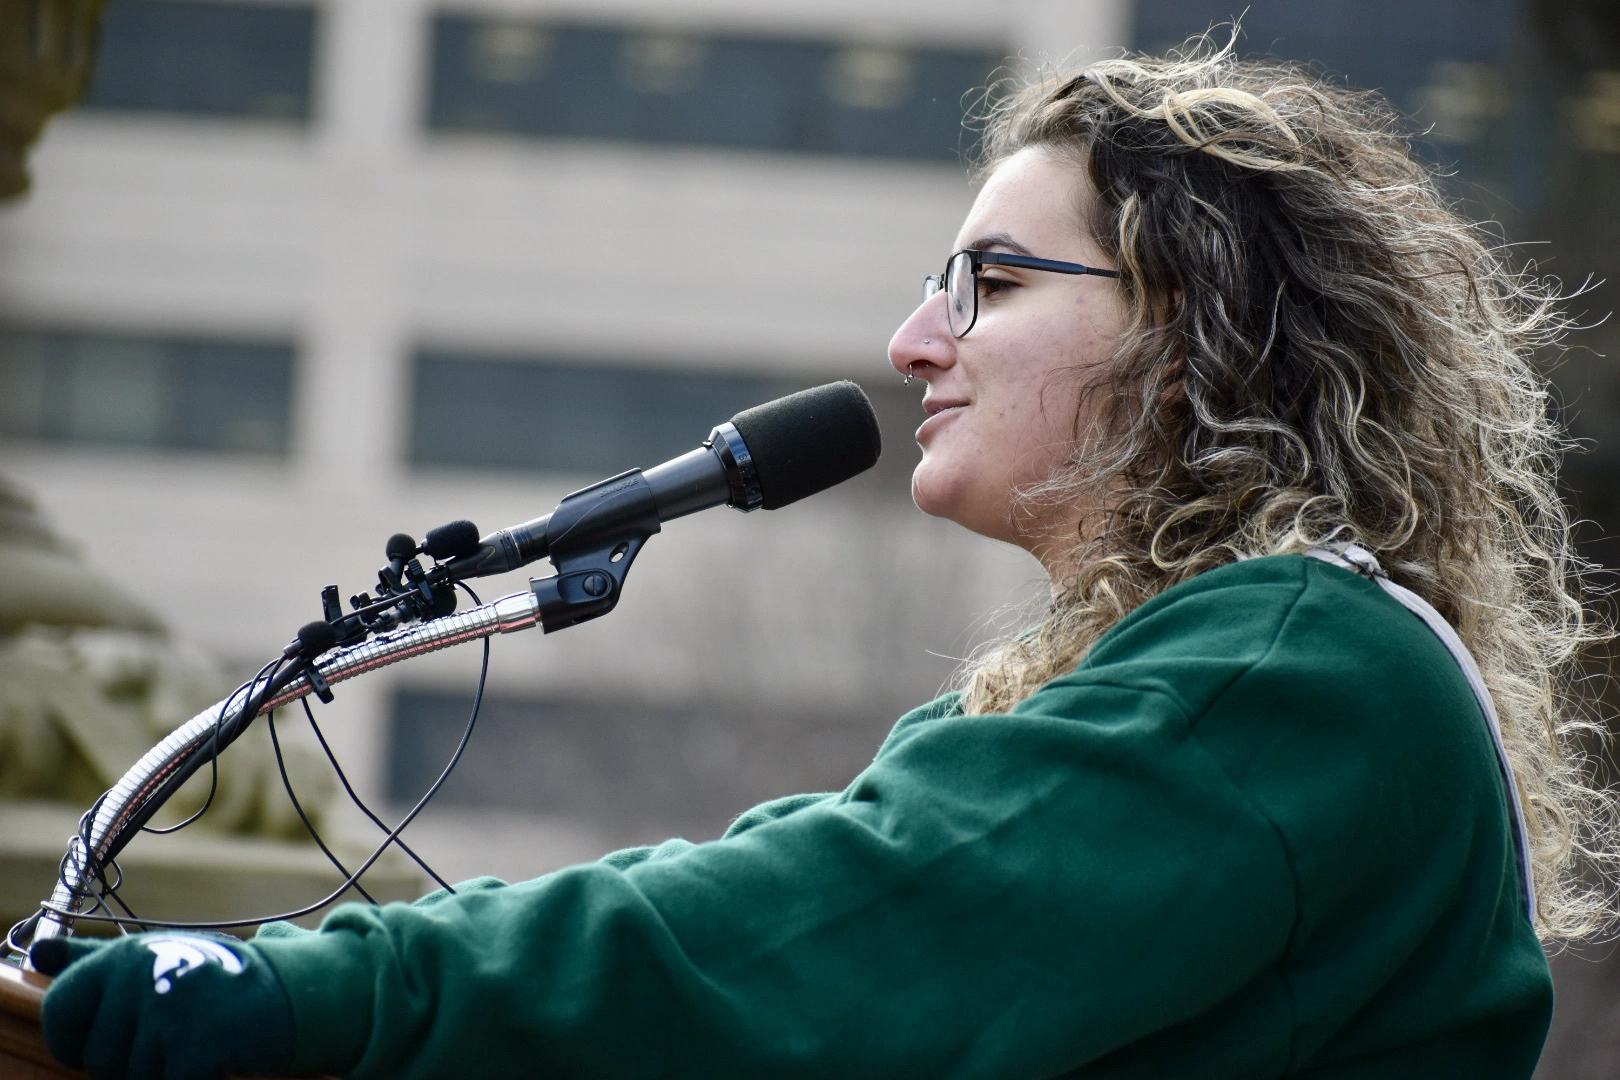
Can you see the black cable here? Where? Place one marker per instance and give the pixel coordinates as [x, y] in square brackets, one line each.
[112, 891]
[99, 896]
[86, 822]
[251, 686]
[371, 859]
[91, 868]
[109, 886]
[364, 809]
[286, 782]
[27, 924]
[100, 903]
[94, 870]
[355, 798]
[186, 765]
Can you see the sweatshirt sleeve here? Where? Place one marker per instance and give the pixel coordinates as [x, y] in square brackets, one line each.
[994, 896]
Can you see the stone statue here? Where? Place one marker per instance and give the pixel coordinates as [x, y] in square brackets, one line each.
[47, 50]
[89, 679]
[89, 682]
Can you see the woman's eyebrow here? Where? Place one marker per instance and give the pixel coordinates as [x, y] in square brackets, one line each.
[1000, 240]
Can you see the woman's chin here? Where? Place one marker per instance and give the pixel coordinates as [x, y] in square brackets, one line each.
[940, 495]
[931, 495]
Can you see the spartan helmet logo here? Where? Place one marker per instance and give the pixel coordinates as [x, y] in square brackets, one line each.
[181, 955]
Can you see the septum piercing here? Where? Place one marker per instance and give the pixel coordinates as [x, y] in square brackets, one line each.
[909, 374]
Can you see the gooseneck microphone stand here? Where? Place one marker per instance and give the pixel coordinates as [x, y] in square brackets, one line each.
[141, 791]
[768, 456]
[592, 538]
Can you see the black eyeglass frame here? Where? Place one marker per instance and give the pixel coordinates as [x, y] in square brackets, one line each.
[977, 257]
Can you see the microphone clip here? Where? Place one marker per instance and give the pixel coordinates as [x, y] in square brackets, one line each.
[592, 538]
[313, 639]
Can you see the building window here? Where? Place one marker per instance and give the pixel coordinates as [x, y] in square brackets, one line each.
[1443, 67]
[600, 419]
[532, 414]
[137, 391]
[576, 81]
[205, 57]
[637, 773]
[557, 415]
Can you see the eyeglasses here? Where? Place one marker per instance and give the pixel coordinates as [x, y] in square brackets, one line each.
[960, 281]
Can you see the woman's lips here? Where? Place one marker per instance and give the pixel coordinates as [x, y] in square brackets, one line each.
[939, 413]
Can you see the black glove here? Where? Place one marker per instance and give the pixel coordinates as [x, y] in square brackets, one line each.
[164, 1006]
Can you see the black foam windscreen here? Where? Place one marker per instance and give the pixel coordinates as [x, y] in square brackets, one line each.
[452, 540]
[315, 638]
[809, 441]
[400, 546]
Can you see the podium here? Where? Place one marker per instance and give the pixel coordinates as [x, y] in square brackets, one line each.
[22, 1045]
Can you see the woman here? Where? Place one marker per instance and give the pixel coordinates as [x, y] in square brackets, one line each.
[1230, 810]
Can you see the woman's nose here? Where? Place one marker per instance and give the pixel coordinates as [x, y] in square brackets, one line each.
[923, 340]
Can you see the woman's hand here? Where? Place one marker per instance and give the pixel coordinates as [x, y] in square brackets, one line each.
[164, 1006]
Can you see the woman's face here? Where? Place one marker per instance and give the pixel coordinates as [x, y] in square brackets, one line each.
[1002, 401]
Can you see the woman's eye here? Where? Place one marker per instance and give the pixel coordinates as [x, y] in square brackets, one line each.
[989, 286]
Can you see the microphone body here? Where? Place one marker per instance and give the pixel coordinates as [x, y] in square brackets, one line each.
[765, 457]
[696, 480]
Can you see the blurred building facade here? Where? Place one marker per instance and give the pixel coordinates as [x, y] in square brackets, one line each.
[298, 275]
[304, 273]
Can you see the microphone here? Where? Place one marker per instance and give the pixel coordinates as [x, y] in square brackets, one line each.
[766, 457]
[449, 541]
[400, 547]
[313, 639]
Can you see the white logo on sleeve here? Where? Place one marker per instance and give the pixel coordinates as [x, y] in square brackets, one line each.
[181, 955]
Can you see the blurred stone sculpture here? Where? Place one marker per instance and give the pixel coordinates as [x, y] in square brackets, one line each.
[88, 678]
[89, 682]
[47, 50]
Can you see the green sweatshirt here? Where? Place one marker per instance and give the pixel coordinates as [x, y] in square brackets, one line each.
[1259, 832]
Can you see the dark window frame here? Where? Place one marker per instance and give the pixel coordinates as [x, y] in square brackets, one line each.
[207, 58]
[205, 394]
[743, 92]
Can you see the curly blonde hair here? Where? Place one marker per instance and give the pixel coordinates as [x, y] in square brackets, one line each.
[1320, 347]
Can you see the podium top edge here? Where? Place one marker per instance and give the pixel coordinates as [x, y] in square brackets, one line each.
[21, 992]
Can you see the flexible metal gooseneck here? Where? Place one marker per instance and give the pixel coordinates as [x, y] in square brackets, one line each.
[124, 803]
[766, 457]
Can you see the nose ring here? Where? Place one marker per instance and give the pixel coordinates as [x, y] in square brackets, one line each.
[909, 375]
